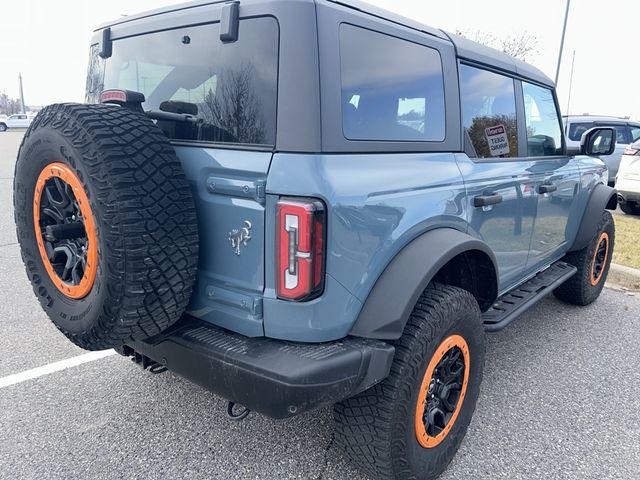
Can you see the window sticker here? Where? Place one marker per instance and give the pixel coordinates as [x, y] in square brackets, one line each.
[497, 140]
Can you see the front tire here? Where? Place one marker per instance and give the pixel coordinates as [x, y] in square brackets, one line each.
[412, 423]
[593, 263]
[3, 127]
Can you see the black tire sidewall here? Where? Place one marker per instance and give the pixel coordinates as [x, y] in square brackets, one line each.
[72, 316]
[593, 291]
[466, 323]
[630, 208]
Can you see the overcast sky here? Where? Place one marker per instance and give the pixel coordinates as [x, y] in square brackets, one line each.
[48, 42]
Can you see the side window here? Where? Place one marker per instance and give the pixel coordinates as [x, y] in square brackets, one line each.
[623, 135]
[489, 112]
[635, 133]
[544, 136]
[392, 89]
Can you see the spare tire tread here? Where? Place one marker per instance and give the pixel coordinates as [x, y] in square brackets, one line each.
[145, 213]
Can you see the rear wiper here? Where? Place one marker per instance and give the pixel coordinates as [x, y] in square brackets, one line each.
[173, 117]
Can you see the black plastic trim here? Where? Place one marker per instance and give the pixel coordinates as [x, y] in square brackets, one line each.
[105, 48]
[599, 201]
[516, 301]
[229, 22]
[276, 378]
[395, 293]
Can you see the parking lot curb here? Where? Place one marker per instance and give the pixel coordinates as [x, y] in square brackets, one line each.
[623, 277]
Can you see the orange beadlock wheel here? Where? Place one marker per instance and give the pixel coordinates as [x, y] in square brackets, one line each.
[599, 259]
[65, 230]
[442, 391]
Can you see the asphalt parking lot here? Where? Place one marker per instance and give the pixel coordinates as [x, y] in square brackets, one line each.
[560, 399]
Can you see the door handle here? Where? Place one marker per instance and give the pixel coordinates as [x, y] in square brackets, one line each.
[547, 188]
[486, 200]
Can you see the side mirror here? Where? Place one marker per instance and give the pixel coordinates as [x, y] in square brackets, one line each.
[598, 141]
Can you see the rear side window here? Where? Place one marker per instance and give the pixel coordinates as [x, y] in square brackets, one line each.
[489, 112]
[230, 88]
[544, 135]
[392, 89]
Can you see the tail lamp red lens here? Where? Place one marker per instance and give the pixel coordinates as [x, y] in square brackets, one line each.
[631, 151]
[300, 248]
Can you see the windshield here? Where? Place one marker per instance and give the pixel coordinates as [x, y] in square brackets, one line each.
[229, 87]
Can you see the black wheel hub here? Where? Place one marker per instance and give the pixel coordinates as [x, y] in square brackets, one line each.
[63, 231]
[600, 259]
[444, 391]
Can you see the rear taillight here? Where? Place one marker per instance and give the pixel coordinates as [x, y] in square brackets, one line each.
[631, 151]
[300, 230]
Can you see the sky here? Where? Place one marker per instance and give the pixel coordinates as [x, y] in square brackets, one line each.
[47, 41]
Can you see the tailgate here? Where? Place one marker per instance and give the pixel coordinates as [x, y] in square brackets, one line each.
[228, 189]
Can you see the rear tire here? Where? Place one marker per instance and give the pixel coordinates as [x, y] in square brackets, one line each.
[106, 224]
[593, 263]
[630, 208]
[383, 430]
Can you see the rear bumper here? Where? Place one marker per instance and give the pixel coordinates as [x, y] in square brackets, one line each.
[629, 196]
[276, 378]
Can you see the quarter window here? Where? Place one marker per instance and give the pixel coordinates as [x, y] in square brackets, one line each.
[392, 89]
[489, 112]
[544, 136]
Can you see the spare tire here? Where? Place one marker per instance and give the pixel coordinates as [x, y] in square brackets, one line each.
[106, 223]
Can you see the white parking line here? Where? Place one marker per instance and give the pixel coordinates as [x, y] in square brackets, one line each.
[53, 367]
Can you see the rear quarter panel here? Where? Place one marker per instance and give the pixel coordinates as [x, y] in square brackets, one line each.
[376, 204]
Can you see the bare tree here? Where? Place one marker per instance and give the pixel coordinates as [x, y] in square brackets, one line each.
[95, 76]
[9, 106]
[523, 46]
[236, 108]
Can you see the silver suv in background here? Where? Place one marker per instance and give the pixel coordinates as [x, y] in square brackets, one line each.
[627, 132]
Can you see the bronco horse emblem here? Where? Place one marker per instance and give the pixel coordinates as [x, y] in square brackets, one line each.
[240, 236]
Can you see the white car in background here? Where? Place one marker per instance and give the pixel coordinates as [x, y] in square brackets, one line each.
[628, 180]
[18, 120]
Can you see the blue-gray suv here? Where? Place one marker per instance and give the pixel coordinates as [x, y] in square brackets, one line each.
[304, 203]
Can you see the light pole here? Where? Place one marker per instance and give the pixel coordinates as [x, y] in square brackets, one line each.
[573, 61]
[23, 108]
[564, 29]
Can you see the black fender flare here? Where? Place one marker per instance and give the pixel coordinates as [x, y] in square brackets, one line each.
[602, 197]
[391, 300]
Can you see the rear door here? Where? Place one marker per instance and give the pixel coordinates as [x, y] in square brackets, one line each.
[500, 185]
[229, 90]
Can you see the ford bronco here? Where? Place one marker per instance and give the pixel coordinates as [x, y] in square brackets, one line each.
[306, 203]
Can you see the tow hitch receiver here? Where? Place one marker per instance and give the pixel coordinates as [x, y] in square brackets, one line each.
[142, 360]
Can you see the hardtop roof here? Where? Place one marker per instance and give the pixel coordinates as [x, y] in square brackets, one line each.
[465, 48]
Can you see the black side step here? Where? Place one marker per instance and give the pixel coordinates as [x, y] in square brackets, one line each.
[513, 303]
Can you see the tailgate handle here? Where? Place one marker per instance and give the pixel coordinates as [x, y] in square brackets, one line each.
[547, 188]
[487, 200]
